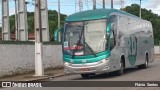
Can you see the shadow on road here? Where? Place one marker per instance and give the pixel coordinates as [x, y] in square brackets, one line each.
[113, 74]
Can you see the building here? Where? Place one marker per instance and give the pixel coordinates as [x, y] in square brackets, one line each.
[31, 37]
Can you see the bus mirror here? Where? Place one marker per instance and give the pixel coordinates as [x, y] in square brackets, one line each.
[57, 35]
[112, 25]
[109, 28]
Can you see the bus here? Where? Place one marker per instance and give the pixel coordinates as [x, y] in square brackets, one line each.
[105, 40]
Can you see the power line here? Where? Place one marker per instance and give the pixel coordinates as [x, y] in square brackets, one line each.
[86, 2]
[103, 4]
[99, 4]
[80, 2]
[111, 4]
[94, 4]
[61, 5]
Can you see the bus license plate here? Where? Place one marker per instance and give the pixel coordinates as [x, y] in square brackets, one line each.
[85, 69]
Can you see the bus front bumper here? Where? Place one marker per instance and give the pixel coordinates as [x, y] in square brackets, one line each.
[96, 67]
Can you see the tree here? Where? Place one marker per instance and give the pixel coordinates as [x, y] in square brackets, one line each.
[52, 22]
[147, 15]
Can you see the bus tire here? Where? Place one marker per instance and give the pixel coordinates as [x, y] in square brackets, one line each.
[121, 70]
[85, 75]
[144, 66]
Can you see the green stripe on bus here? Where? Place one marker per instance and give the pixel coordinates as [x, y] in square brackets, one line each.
[87, 59]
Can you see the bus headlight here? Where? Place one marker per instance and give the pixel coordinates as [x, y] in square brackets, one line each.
[66, 63]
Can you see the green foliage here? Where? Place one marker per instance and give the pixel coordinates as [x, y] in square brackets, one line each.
[52, 22]
[147, 15]
[30, 17]
[12, 23]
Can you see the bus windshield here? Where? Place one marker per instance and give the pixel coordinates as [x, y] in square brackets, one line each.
[85, 38]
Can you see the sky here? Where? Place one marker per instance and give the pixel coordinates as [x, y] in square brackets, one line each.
[68, 6]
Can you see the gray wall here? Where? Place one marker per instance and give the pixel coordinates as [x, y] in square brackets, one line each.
[156, 49]
[18, 59]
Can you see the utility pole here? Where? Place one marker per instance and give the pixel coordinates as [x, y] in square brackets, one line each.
[140, 9]
[39, 70]
[26, 18]
[80, 5]
[94, 4]
[122, 4]
[58, 13]
[40, 20]
[111, 4]
[5, 20]
[75, 6]
[159, 46]
[103, 4]
[22, 21]
[59, 21]
[16, 20]
[44, 18]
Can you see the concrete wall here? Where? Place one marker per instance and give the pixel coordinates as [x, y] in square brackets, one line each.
[156, 49]
[18, 59]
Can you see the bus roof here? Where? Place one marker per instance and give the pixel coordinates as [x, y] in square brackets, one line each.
[95, 14]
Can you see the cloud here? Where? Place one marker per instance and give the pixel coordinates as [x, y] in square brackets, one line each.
[153, 4]
[156, 10]
[115, 2]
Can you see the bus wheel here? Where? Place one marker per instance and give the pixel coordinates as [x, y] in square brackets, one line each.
[85, 75]
[144, 66]
[121, 70]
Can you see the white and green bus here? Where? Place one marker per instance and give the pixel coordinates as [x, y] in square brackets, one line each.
[106, 40]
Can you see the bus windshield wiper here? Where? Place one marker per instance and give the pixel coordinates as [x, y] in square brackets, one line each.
[91, 49]
[79, 42]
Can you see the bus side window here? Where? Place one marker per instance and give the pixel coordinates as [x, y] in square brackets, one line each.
[112, 40]
[113, 20]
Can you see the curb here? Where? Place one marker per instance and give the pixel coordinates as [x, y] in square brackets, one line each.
[48, 77]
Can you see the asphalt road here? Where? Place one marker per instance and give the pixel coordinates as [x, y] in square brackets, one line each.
[152, 73]
[134, 74]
